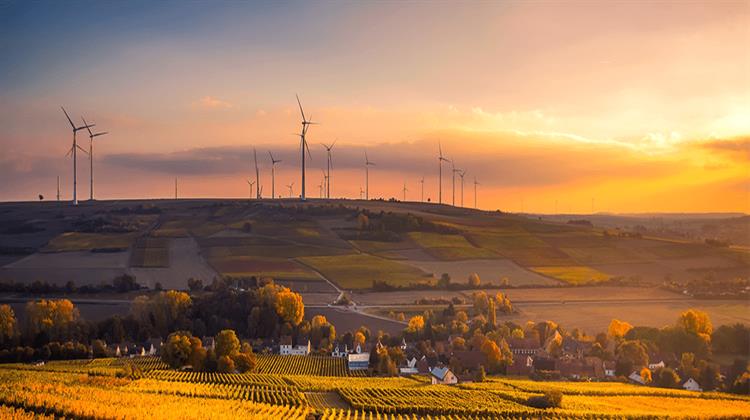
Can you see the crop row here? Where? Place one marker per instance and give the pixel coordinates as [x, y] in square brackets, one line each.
[302, 365]
[263, 394]
[217, 378]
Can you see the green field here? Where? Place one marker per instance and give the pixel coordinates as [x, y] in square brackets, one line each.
[247, 266]
[358, 271]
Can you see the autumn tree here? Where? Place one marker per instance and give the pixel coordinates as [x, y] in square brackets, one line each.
[416, 324]
[163, 312]
[503, 303]
[696, 322]
[491, 315]
[646, 375]
[474, 280]
[7, 325]
[225, 364]
[631, 355]
[322, 332]
[289, 306]
[480, 302]
[517, 333]
[226, 343]
[177, 349]
[53, 317]
[498, 356]
[666, 378]
[618, 329]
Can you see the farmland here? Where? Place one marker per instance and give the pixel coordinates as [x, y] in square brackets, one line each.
[74, 392]
[359, 271]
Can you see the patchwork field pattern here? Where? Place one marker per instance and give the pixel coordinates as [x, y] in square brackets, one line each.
[359, 271]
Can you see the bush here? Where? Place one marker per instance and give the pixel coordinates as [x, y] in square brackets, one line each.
[550, 399]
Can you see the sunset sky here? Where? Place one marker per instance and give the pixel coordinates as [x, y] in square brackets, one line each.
[640, 107]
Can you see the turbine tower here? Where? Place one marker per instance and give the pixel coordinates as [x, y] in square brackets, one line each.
[421, 181]
[58, 188]
[74, 151]
[324, 186]
[257, 175]
[461, 174]
[303, 143]
[475, 191]
[361, 191]
[329, 166]
[441, 159]
[405, 190]
[273, 175]
[250, 183]
[91, 157]
[175, 188]
[367, 176]
[455, 171]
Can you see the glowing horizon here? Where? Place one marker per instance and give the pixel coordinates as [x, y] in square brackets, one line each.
[642, 108]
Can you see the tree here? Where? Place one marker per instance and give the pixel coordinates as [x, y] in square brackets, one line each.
[225, 365]
[51, 317]
[497, 357]
[474, 280]
[631, 355]
[416, 324]
[480, 302]
[163, 312]
[289, 306]
[550, 399]
[491, 315]
[445, 281]
[666, 378]
[359, 338]
[696, 322]
[503, 303]
[709, 377]
[517, 333]
[687, 366]
[618, 329]
[481, 375]
[195, 285]
[98, 349]
[245, 360]
[177, 349]
[646, 375]
[7, 324]
[227, 343]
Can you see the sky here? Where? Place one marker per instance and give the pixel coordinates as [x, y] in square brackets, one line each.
[550, 106]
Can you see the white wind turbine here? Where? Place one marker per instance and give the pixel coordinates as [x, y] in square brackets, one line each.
[405, 190]
[290, 186]
[303, 143]
[361, 192]
[475, 191]
[329, 166]
[74, 151]
[257, 175]
[421, 181]
[273, 174]
[441, 159]
[367, 176]
[455, 171]
[461, 174]
[91, 156]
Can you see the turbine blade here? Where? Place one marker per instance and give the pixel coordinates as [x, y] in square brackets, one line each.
[100, 134]
[82, 149]
[87, 126]
[300, 107]
[308, 149]
[68, 116]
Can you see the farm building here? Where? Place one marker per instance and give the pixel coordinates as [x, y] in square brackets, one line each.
[358, 359]
[287, 349]
[528, 346]
[339, 352]
[609, 368]
[410, 368]
[692, 385]
[522, 365]
[443, 375]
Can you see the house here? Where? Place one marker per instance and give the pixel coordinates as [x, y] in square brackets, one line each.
[654, 366]
[528, 346]
[609, 368]
[123, 349]
[575, 347]
[410, 368]
[358, 360]
[692, 385]
[523, 364]
[544, 363]
[636, 377]
[208, 343]
[423, 365]
[154, 346]
[403, 345]
[443, 375]
[286, 348]
[339, 352]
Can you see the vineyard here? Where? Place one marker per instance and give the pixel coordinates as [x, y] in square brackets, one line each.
[308, 365]
[90, 389]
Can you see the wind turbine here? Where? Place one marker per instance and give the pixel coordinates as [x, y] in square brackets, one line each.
[58, 188]
[475, 191]
[273, 175]
[74, 151]
[290, 189]
[367, 176]
[455, 171]
[421, 181]
[303, 143]
[250, 183]
[175, 188]
[405, 190]
[441, 159]
[361, 191]
[91, 156]
[329, 165]
[257, 175]
[324, 186]
[461, 174]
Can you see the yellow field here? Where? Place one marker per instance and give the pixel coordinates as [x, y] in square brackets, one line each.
[65, 389]
[575, 275]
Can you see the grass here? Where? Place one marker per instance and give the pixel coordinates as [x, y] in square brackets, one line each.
[78, 241]
[499, 242]
[460, 253]
[358, 271]
[275, 251]
[437, 240]
[532, 257]
[601, 255]
[575, 275]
